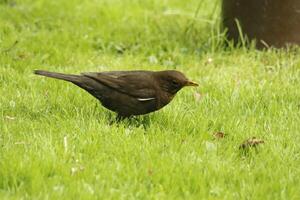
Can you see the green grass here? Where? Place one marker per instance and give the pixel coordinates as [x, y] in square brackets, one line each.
[171, 154]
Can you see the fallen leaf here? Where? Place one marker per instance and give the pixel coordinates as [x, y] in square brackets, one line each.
[219, 135]
[251, 142]
[150, 172]
[22, 56]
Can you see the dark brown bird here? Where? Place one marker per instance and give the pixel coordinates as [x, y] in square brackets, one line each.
[128, 93]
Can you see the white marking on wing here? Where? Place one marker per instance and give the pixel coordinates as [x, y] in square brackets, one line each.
[146, 99]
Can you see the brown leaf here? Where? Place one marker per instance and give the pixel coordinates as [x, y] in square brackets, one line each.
[219, 135]
[150, 172]
[22, 56]
[251, 142]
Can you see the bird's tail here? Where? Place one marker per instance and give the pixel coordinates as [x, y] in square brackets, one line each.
[66, 77]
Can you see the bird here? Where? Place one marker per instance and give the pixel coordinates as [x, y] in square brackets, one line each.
[128, 93]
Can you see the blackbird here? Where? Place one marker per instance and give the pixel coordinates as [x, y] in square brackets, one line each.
[128, 93]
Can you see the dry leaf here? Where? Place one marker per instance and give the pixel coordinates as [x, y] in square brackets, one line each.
[150, 172]
[251, 142]
[22, 56]
[219, 135]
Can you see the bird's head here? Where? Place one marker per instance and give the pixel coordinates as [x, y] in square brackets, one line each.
[172, 81]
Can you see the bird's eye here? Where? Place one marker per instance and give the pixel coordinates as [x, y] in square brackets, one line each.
[175, 83]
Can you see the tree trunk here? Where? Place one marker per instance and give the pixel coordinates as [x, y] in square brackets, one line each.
[270, 22]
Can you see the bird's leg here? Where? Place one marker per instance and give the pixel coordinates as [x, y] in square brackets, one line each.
[146, 121]
[120, 118]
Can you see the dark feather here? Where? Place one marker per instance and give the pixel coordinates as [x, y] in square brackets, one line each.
[127, 92]
[138, 84]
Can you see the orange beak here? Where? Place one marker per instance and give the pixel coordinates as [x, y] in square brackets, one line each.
[191, 83]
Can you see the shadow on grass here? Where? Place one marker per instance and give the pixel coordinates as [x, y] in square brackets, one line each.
[135, 121]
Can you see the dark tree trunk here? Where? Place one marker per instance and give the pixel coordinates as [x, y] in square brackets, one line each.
[271, 22]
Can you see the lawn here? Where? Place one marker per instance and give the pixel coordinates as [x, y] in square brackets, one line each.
[56, 141]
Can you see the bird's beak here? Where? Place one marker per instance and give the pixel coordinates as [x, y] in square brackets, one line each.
[191, 83]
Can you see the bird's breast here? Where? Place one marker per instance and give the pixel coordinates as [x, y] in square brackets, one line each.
[164, 99]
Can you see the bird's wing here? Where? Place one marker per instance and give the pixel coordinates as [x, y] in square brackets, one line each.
[138, 84]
